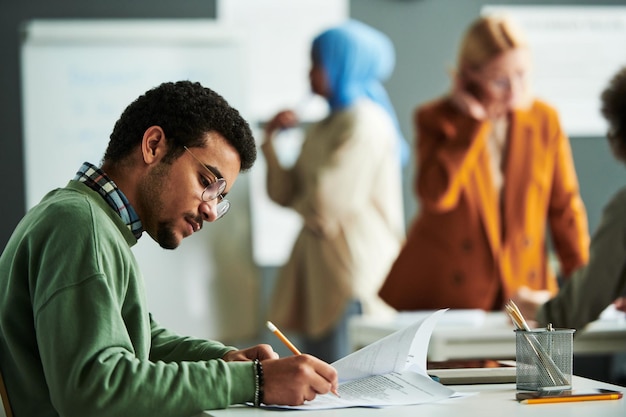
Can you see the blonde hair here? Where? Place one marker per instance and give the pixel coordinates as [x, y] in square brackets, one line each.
[486, 38]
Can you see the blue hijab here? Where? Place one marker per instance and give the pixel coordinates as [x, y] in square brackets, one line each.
[357, 59]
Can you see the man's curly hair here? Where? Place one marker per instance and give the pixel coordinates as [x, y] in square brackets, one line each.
[186, 111]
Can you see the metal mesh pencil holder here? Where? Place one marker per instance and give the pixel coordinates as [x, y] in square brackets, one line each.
[544, 359]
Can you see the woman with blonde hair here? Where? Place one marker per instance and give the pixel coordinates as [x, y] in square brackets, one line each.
[494, 167]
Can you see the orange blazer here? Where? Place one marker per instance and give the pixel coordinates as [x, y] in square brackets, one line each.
[466, 251]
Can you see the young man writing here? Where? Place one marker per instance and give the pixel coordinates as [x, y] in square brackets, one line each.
[76, 338]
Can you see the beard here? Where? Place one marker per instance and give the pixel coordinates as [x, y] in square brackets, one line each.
[150, 198]
[165, 236]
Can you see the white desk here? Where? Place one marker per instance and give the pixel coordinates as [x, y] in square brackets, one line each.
[493, 338]
[494, 400]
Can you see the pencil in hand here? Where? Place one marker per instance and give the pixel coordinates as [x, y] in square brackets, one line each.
[290, 345]
[282, 338]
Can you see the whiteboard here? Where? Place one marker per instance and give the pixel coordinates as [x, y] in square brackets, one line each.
[77, 78]
[576, 50]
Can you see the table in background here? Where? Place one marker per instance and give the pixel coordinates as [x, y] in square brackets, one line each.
[493, 400]
[482, 335]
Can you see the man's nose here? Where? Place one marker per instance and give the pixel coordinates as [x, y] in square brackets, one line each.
[208, 209]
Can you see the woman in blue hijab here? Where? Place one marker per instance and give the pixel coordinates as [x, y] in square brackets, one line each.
[356, 60]
[346, 185]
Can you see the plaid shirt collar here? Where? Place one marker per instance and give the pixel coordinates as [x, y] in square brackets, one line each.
[97, 180]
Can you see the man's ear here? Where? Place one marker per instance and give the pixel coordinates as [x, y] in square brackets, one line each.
[153, 145]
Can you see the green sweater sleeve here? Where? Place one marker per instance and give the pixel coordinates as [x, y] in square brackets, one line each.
[167, 346]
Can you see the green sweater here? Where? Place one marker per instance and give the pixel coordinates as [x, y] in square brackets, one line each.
[76, 338]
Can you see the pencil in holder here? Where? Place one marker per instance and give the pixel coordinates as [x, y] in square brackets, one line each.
[544, 359]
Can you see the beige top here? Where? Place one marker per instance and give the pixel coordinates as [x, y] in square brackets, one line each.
[496, 145]
[346, 185]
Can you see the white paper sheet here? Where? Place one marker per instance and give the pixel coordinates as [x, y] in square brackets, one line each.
[390, 371]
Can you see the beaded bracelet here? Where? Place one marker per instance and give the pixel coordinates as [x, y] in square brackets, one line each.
[258, 383]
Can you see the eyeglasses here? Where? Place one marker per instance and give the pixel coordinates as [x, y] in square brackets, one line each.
[213, 188]
[506, 82]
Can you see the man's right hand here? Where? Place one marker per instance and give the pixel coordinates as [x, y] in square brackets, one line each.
[296, 379]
